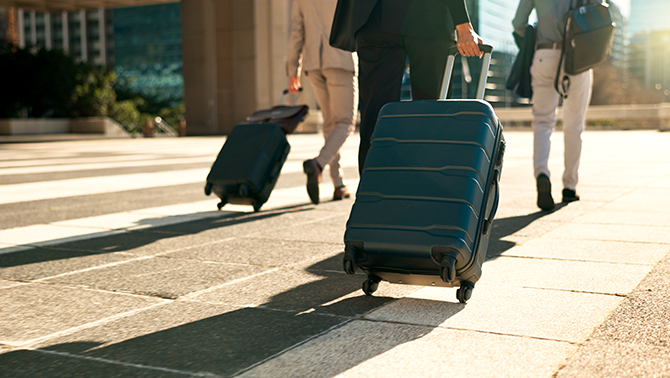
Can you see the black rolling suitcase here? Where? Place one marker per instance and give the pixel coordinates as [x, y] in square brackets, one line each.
[247, 168]
[428, 192]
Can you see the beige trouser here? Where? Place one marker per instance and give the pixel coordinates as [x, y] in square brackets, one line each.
[336, 92]
[545, 105]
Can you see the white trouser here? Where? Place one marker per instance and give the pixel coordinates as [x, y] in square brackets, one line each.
[336, 91]
[545, 105]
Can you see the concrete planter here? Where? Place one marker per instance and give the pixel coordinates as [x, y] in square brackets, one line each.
[40, 126]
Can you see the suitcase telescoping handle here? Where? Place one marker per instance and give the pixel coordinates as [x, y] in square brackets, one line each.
[295, 101]
[451, 58]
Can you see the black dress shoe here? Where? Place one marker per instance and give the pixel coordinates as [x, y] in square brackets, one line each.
[313, 172]
[570, 195]
[544, 199]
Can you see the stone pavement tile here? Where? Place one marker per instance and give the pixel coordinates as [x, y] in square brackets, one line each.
[612, 232]
[39, 263]
[263, 252]
[660, 183]
[591, 250]
[300, 291]
[581, 276]
[546, 314]
[6, 284]
[37, 310]
[625, 218]
[329, 230]
[196, 340]
[159, 276]
[36, 363]
[250, 223]
[379, 349]
[601, 359]
[43, 234]
[644, 200]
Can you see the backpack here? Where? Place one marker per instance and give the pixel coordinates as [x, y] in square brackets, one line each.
[587, 39]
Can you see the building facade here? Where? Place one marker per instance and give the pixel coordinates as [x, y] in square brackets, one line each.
[142, 44]
[649, 49]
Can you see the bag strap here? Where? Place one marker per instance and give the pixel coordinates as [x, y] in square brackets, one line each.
[565, 82]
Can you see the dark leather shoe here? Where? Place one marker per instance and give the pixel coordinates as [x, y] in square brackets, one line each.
[544, 199]
[340, 193]
[570, 195]
[313, 172]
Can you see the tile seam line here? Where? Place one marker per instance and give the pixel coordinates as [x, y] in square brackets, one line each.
[469, 330]
[290, 348]
[72, 330]
[577, 260]
[89, 288]
[126, 364]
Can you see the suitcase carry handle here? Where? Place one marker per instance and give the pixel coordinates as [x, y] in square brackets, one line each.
[295, 102]
[451, 58]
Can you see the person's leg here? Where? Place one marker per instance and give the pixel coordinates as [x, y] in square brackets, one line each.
[342, 92]
[545, 104]
[312, 168]
[574, 117]
[381, 62]
[427, 63]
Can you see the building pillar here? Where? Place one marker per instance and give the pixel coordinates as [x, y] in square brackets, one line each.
[234, 55]
[48, 39]
[83, 27]
[102, 30]
[20, 22]
[66, 32]
[33, 29]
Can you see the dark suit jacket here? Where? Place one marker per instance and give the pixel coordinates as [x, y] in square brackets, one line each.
[426, 19]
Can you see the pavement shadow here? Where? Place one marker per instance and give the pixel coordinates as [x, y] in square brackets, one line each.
[503, 227]
[240, 339]
[129, 240]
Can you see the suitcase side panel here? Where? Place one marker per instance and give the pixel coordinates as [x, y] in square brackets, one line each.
[426, 187]
[253, 154]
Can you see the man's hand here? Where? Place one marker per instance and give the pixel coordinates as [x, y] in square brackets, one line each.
[293, 84]
[468, 41]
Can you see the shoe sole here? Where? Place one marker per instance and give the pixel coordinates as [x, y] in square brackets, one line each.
[312, 182]
[544, 199]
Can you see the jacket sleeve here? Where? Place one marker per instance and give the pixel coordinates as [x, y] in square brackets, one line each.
[296, 40]
[521, 18]
[459, 13]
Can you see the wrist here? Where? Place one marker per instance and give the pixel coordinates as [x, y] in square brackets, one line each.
[464, 27]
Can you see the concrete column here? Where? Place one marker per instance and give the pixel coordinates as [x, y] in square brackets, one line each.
[20, 22]
[33, 29]
[234, 60]
[199, 51]
[102, 29]
[48, 35]
[66, 32]
[84, 35]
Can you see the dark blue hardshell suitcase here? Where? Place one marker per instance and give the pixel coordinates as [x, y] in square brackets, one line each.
[428, 193]
[248, 165]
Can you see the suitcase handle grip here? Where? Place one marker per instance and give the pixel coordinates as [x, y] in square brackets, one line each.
[451, 58]
[295, 102]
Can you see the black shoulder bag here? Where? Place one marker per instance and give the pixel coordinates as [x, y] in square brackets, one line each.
[587, 40]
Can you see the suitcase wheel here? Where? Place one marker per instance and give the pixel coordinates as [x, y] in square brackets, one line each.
[349, 262]
[464, 292]
[370, 285]
[257, 207]
[448, 269]
[220, 205]
[208, 188]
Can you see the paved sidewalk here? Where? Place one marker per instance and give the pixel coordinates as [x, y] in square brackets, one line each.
[113, 263]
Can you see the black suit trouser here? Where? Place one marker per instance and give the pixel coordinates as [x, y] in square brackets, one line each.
[381, 59]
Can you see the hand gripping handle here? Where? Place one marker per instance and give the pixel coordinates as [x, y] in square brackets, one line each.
[451, 58]
[295, 101]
